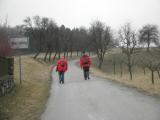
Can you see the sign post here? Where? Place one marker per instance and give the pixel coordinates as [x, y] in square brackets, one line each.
[19, 43]
[20, 70]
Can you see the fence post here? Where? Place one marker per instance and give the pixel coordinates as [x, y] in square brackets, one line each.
[20, 69]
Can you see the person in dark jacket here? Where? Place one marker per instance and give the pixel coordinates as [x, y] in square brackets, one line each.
[62, 67]
[85, 63]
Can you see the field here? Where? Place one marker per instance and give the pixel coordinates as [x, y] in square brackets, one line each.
[140, 80]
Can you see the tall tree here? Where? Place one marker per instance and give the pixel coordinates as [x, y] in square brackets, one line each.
[33, 31]
[102, 39]
[51, 38]
[149, 34]
[128, 42]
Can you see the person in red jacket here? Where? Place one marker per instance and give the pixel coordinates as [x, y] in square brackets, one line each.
[62, 67]
[85, 63]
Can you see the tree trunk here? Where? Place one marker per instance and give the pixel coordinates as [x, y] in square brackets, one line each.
[100, 64]
[121, 67]
[39, 50]
[54, 57]
[129, 66]
[46, 55]
[71, 53]
[144, 71]
[36, 55]
[158, 73]
[64, 54]
[152, 77]
[77, 52]
[114, 67]
[148, 46]
[67, 53]
[130, 71]
[50, 54]
[59, 54]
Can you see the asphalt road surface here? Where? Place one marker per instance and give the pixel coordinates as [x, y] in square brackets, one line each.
[97, 99]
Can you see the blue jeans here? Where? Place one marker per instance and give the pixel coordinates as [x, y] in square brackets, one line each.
[86, 73]
[61, 77]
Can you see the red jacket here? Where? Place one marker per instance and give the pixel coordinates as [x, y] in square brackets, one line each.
[82, 60]
[61, 68]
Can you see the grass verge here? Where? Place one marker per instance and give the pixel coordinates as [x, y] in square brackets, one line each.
[27, 101]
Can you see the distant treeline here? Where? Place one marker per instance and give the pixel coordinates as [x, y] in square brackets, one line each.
[46, 36]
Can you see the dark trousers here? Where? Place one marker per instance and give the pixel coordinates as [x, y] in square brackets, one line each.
[86, 73]
[61, 77]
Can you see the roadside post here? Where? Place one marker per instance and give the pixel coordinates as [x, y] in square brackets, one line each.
[19, 44]
[20, 69]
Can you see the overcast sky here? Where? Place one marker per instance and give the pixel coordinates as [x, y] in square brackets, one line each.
[76, 13]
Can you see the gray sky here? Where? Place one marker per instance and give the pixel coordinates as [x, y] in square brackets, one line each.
[76, 13]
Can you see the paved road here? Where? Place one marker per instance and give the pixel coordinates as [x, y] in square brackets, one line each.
[97, 99]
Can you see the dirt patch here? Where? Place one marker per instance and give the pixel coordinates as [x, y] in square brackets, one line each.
[27, 101]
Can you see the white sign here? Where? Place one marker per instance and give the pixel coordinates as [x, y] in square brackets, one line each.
[19, 43]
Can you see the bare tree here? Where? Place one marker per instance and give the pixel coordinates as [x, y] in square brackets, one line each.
[102, 39]
[80, 39]
[66, 36]
[34, 31]
[121, 60]
[49, 30]
[41, 32]
[128, 42]
[52, 36]
[158, 70]
[151, 61]
[149, 34]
